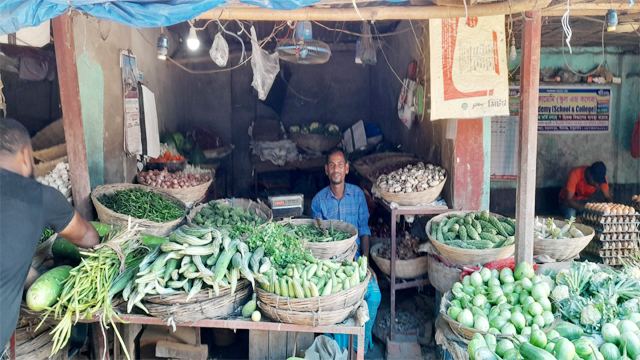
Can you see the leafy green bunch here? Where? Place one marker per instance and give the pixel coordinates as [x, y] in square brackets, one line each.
[282, 247]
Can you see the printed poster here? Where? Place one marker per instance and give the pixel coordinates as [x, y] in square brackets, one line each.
[571, 109]
[132, 130]
[469, 74]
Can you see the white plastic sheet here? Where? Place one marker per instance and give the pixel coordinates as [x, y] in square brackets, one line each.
[265, 67]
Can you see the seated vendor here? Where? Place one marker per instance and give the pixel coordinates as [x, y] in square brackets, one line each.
[581, 183]
[346, 202]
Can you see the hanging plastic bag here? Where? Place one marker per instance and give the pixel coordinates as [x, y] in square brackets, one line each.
[219, 50]
[265, 67]
[366, 47]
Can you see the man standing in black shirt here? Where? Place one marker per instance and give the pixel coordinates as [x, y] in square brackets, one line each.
[27, 208]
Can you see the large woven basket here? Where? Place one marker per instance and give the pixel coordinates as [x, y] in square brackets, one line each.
[111, 217]
[563, 249]
[188, 195]
[260, 209]
[405, 269]
[340, 300]
[204, 305]
[309, 318]
[377, 165]
[332, 249]
[465, 331]
[413, 199]
[315, 142]
[461, 256]
[442, 277]
[349, 255]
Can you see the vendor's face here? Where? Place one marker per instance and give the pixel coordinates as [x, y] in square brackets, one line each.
[589, 178]
[337, 168]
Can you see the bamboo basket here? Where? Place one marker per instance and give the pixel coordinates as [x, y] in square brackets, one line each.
[188, 195]
[349, 255]
[204, 305]
[340, 300]
[309, 318]
[332, 249]
[460, 256]
[260, 209]
[405, 269]
[442, 277]
[315, 142]
[413, 199]
[563, 249]
[111, 217]
[372, 170]
[465, 331]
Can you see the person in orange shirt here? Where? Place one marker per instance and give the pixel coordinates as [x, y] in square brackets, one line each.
[581, 183]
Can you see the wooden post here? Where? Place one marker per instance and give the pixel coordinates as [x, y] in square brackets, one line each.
[72, 113]
[528, 136]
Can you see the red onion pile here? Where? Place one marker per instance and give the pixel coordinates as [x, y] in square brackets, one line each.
[166, 180]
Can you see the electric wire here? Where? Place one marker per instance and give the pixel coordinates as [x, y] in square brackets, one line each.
[591, 72]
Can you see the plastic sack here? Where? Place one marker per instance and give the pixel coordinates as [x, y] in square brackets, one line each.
[265, 67]
[367, 49]
[325, 348]
[219, 50]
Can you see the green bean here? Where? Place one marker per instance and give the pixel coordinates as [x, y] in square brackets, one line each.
[143, 204]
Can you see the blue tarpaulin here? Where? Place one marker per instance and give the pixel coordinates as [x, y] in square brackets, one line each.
[18, 14]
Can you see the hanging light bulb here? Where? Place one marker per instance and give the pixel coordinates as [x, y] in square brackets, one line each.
[611, 20]
[163, 47]
[192, 41]
[513, 54]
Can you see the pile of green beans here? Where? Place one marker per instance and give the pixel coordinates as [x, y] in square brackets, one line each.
[142, 204]
[312, 234]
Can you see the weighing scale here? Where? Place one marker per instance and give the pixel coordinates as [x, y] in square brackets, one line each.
[287, 205]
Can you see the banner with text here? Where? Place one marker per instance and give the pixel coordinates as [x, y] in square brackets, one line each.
[569, 109]
[469, 75]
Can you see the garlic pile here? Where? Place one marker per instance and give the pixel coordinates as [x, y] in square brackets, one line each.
[411, 179]
[58, 178]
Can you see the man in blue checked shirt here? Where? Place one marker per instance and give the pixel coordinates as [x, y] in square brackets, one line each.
[346, 202]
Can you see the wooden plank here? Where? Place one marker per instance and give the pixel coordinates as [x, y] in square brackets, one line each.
[174, 350]
[259, 349]
[129, 334]
[528, 136]
[71, 109]
[278, 345]
[375, 12]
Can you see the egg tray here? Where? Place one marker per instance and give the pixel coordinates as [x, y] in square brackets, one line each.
[613, 261]
[600, 224]
[624, 244]
[590, 215]
[624, 253]
[616, 236]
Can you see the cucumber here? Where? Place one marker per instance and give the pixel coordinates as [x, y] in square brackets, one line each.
[152, 241]
[569, 331]
[530, 352]
[64, 251]
[249, 307]
[45, 291]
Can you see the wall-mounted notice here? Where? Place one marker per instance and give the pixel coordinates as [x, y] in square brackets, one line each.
[572, 109]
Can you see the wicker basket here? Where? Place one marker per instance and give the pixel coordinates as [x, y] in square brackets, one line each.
[316, 142]
[331, 249]
[442, 277]
[563, 249]
[260, 209]
[309, 318]
[204, 305]
[405, 269]
[188, 195]
[110, 217]
[413, 199]
[339, 300]
[349, 255]
[387, 164]
[465, 331]
[467, 256]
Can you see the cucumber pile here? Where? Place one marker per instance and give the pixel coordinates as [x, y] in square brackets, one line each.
[565, 342]
[311, 277]
[477, 230]
[193, 259]
[506, 302]
[216, 214]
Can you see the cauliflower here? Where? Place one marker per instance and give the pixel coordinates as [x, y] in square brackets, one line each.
[590, 315]
[304, 130]
[314, 126]
[562, 274]
[560, 293]
[334, 129]
[632, 272]
[294, 129]
[629, 307]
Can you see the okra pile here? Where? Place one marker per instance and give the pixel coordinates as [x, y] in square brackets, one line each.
[216, 214]
[479, 230]
[311, 277]
[193, 259]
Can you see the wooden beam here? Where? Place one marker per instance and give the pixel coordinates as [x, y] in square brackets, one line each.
[72, 113]
[528, 136]
[373, 13]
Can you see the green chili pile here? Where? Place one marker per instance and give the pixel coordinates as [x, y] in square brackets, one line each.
[46, 235]
[312, 233]
[142, 204]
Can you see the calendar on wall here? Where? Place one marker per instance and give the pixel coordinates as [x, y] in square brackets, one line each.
[504, 147]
